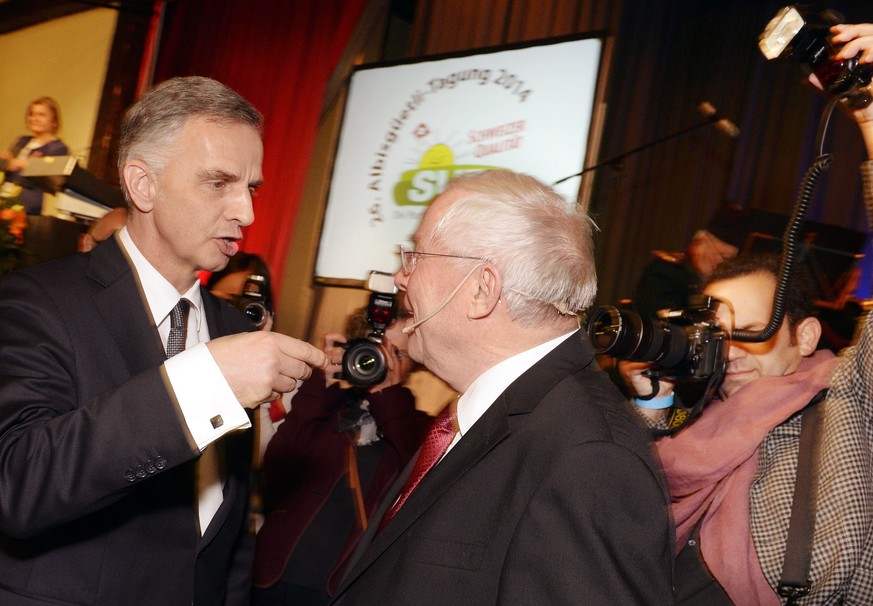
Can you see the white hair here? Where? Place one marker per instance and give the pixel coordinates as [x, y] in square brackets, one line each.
[541, 244]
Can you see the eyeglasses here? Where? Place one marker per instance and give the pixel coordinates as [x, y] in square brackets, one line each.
[409, 258]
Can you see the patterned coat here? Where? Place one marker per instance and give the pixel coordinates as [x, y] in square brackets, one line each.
[842, 562]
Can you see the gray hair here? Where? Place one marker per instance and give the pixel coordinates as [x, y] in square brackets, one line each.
[152, 123]
[541, 244]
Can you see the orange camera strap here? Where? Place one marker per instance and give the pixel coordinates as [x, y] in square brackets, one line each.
[355, 485]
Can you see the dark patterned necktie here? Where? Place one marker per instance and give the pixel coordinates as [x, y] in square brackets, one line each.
[178, 328]
[437, 440]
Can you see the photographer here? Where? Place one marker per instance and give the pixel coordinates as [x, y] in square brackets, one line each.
[671, 277]
[330, 462]
[711, 464]
[732, 472]
[233, 283]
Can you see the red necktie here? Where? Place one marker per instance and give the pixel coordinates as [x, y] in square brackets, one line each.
[437, 440]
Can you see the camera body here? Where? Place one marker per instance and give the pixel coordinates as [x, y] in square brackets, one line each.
[802, 35]
[253, 302]
[364, 361]
[683, 344]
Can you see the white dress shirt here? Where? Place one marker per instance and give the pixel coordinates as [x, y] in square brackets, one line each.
[207, 403]
[490, 384]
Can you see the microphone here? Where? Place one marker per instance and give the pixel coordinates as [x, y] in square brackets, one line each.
[408, 329]
[723, 125]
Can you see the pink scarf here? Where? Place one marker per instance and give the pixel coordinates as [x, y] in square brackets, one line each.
[710, 466]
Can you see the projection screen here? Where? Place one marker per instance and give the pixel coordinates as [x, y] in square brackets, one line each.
[409, 128]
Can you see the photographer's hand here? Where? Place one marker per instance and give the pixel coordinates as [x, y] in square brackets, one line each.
[639, 384]
[856, 38]
[394, 363]
[334, 352]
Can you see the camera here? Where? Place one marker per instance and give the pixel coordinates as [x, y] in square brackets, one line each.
[799, 34]
[682, 344]
[253, 302]
[364, 361]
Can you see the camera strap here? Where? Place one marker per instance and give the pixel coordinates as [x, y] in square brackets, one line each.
[355, 486]
[680, 416]
[795, 582]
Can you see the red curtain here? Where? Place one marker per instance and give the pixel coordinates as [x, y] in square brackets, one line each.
[279, 55]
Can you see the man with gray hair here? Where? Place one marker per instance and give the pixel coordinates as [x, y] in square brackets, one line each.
[538, 485]
[124, 385]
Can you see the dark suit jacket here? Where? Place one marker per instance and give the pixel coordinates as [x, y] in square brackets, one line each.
[97, 502]
[552, 497]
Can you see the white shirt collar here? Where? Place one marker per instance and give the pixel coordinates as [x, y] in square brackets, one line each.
[494, 381]
[161, 296]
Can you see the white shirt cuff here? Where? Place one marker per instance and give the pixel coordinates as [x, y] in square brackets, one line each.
[208, 405]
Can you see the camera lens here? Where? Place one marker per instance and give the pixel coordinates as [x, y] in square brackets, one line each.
[364, 363]
[628, 336]
[256, 312]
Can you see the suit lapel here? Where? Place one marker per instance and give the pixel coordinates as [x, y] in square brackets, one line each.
[233, 449]
[373, 525]
[122, 305]
[485, 434]
[214, 318]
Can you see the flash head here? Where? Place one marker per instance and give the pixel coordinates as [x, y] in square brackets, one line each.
[364, 362]
[801, 35]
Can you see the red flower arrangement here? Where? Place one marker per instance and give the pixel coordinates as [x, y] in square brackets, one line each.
[13, 223]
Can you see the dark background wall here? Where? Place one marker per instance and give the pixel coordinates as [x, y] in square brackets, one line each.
[667, 57]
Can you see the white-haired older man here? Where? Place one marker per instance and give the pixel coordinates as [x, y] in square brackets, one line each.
[547, 492]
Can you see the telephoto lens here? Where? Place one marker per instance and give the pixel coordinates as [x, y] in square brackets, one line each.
[686, 343]
[628, 336]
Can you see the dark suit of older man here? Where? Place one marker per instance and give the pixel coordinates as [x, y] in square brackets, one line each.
[492, 523]
[547, 491]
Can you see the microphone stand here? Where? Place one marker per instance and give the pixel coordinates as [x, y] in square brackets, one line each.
[617, 159]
